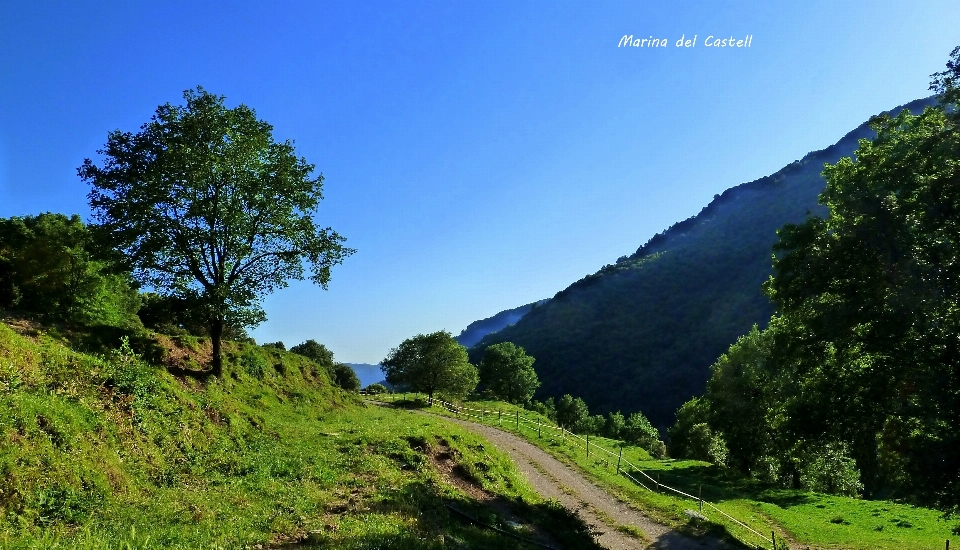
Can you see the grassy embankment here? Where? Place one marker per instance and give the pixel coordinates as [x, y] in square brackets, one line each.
[109, 451]
[809, 520]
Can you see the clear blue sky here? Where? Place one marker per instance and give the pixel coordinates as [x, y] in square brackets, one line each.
[478, 155]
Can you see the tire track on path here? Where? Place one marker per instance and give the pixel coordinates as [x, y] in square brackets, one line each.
[601, 510]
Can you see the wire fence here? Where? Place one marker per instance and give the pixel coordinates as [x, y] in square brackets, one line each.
[624, 467]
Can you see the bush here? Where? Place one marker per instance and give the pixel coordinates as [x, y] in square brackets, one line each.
[639, 431]
[128, 373]
[830, 470]
[684, 443]
[547, 408]
[376, 389]
[253, 364]
[319, 354]
[614, 425]
[573, 414]
[178, 315]
[345, 377]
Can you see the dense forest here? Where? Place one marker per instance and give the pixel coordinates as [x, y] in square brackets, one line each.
[476, 330]
[854, 386]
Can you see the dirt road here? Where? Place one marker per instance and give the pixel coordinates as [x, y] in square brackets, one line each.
[554, 479]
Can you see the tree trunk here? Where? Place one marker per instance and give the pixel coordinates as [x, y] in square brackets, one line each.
[216, 334]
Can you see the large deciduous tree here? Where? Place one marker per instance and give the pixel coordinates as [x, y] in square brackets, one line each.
[507, 370]
[208, 207]
[431, 363]
[862, 360]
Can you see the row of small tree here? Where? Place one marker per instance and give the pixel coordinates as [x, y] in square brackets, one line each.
[340, 373]
[574, 414]
[437, 365]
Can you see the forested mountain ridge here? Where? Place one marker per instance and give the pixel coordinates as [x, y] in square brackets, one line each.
[477, 330]
[641, 334]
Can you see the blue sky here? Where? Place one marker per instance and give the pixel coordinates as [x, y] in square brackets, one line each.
[478, 155]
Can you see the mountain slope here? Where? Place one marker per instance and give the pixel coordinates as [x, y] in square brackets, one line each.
[642, 333]
[476, 330]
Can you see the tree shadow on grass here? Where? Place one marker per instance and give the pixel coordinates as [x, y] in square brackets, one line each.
[443, 521]
[717, 484]
[785, 498]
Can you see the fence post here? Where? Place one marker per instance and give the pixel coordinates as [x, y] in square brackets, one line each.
[518, 420]
[619, 458]
[948, 544]
[700, 497]
[539, 432]
[481, 413]
[563, 435]
[499, 417]
[588, 445]
[773, 537]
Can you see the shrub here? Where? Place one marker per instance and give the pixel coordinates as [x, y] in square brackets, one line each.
[830, 470]
[345, 377]
[547, 408]
[639, 431]
[253, 364]
[573, 414]
[319, 354]
[128, 373]
[614, 425]
[684, 442]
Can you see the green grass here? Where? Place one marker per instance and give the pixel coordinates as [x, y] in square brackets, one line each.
[111, 452]
[809, 519]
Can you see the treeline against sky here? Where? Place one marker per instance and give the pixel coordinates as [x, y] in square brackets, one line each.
[854, 386]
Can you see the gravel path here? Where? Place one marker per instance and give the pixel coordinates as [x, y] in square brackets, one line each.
[554, 479]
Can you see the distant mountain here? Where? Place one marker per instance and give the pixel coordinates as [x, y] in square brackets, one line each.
[478, 329]
[368, 374]
[641, 334]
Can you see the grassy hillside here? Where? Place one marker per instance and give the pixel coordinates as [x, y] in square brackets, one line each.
[641, 334]
[110, 451]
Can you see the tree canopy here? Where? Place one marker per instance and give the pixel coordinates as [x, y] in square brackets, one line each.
[573, 413]
[319, 353]
[51, 266]
[855, 384]
[208, 207]
[507, 370]
[431, 363]
[345, 377]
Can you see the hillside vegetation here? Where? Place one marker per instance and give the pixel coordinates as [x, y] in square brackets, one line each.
[854, 386]
[801, 518]
[642, 333]
[109, 450]
[476, 330]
